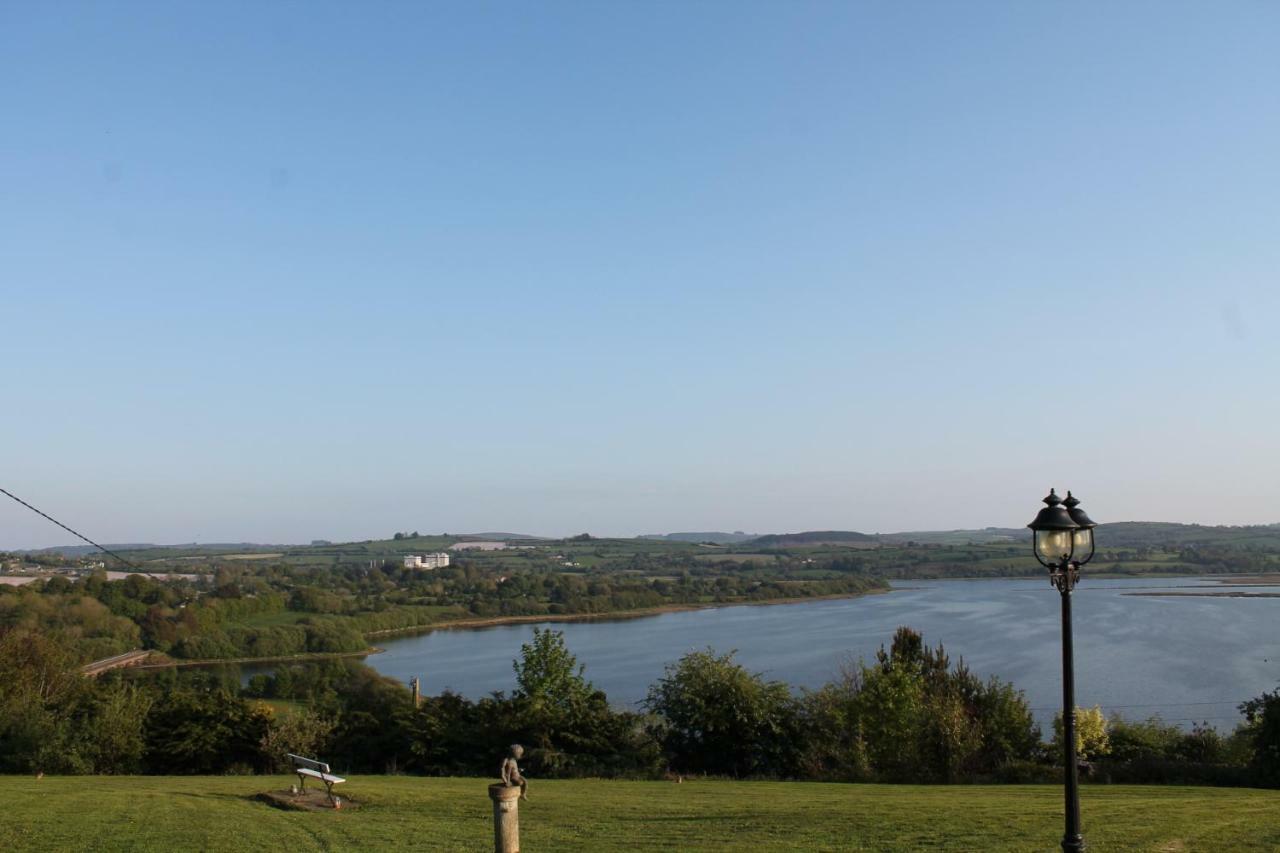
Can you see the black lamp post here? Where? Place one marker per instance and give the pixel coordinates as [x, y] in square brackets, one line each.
[1062, 532]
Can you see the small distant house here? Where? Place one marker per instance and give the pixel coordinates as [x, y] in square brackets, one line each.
[426, 561]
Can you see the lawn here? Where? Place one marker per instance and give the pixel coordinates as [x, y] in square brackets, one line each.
[403, 813]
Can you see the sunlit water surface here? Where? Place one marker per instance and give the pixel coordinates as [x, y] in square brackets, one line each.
[1187, 658]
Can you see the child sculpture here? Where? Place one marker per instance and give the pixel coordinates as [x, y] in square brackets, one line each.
[511, 771]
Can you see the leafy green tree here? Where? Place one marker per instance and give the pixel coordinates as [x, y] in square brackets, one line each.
[1009, 731]
[1262, 716]
[116, 729]
[372, 713]
[892, 712]
[549, 680]
[40, 692]
[913, 716]
[1092, 740]
[1141, 740]
[834, 745]
[204, 731]
[301, 732]
[721, 719]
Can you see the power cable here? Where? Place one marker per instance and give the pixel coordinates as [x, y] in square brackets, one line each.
[69, 530]
[1162, 705]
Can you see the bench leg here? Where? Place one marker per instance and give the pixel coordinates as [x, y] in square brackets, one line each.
[328, 786]
[302, 784]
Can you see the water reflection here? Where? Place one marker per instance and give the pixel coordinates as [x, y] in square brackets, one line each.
[1184, 657]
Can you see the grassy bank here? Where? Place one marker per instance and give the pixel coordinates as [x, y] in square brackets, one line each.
[395, 813]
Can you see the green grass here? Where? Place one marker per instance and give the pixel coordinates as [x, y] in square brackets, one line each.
[272, 619]
[395, 813]
[282, 707]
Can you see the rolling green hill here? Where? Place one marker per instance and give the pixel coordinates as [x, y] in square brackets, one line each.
[1126, 534]
[813, 537]
[160, 813]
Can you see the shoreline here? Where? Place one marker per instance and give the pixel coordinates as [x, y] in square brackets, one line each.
[309, 657]
[493, 622]
[1231, 594]
[480, 622]
[613, 616]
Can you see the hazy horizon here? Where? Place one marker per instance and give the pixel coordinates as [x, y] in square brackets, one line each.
[277, 273]
[537, 534]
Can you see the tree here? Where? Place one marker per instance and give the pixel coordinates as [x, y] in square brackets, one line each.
[834, 745]
[301, 732]
[721, 719]
[1092, 740]
[116, 730]
[891, 714]
[1009, 729]
[1141, 740]
[550, 685]
[40, 692]
[1262, 716]
[914, 717]
[204, 731]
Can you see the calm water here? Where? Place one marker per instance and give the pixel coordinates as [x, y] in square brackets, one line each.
[1186, 658]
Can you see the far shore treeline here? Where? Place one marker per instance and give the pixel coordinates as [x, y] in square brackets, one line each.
[244, 601]
[250, 609]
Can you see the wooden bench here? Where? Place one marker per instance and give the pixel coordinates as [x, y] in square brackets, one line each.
[309, 767]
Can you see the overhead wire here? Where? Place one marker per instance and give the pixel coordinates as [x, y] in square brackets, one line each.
[75, 533]
[1162, 705]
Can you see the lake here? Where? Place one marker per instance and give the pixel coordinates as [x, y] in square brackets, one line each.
[1186, 658]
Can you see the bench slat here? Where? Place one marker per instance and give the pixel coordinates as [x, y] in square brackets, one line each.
[327, 777]
[303, 761]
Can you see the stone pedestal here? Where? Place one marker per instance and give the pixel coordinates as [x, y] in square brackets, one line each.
[506, 818]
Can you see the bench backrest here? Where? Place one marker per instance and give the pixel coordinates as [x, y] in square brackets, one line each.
[309, 763]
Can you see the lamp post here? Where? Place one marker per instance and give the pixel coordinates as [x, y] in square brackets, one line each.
[1062, 532]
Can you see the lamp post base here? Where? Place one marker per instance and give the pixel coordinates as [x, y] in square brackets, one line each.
[1072, 843]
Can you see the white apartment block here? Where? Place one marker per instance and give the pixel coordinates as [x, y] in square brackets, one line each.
[427, 561]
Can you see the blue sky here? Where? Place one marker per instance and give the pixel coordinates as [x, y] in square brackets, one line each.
[277, 272]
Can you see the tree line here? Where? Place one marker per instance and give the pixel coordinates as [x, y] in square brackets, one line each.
[279, 611]
[910, 715]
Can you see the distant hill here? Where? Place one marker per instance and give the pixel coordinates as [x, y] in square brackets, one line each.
[1162, 534]
[85, 550]
[89, 550]
[814, 537]
[956, 537]
[1123, 534]
[716, 537]
[1117, 534]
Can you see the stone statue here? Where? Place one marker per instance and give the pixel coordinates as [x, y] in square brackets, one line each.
[511, 771]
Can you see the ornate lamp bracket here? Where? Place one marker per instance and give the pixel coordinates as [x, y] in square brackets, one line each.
[1065, 576]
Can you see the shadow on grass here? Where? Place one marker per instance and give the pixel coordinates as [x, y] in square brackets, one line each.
[207, 795]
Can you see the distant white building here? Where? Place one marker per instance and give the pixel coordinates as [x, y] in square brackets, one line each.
[427, 561]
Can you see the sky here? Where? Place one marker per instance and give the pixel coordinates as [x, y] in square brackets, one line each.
[281, 271]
